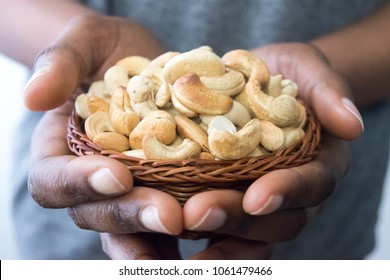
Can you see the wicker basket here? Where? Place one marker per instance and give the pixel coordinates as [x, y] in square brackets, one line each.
[182, 179]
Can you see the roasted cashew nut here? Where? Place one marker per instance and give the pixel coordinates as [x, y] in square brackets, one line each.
[190, 92]
[292, 136]
[159, 123]
[180, 107]
[115, 76]
[96, 104]
[141, 90]
[198, 61]
[162, 59]
[271, 136]
[112, 141]
[81, 106]
[274, 87]
[289, 87]
[248, 64]
[99, 129]
[154, 149]
[123, 118]
[230, 83]
[282, 110]
[189, 129]
[225, 145]
[238, 115]
[134, 64]
[163, 95]
[99, 89]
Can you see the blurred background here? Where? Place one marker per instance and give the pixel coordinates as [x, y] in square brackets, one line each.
[12, 80]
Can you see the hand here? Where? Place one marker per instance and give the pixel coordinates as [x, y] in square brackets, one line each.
[152, 246]
[277, 206]
[98, 190]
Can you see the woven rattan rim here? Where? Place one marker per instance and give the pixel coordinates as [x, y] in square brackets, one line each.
[182, 179]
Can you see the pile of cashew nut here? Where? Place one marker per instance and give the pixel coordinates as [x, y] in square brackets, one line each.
[192, 105]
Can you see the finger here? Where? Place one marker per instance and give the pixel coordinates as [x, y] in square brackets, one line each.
[231, 248]
[323, 89]
[303, 186]
[221, 212]
[61, 68]
[59, 179]
[139, 246]
[140, 210]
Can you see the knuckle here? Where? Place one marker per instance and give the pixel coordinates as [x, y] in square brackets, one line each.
[36, 192]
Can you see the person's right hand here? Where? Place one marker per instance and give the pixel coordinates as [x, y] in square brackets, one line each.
[97, 190]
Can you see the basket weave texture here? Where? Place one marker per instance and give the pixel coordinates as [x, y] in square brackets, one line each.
[182, 179]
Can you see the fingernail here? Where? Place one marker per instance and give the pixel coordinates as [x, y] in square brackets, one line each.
[272, 204]
[212, 220]
[151, 220]
[38, 73]
[352, 108]
[104, 182]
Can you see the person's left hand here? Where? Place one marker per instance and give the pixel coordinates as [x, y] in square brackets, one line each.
[277, 206]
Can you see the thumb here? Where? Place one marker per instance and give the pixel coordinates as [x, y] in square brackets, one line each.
[61, 68]
[336, 112]
[56, 76]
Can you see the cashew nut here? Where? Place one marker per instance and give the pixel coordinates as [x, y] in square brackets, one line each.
[189, 129]
[139, 88]
[98, 89]
[115, 76]
[238, 115]
[112, 141]
[99, 129]
[190, 92]
[123, 118]
[197, 61]
[292, 136]
[144, 108]
[289, 88]
[96, 104]
[271, 136]
[221, 123]
[97, 123]
[154, 74]
[138, 153]
[134, 64]
[274, 88]
[282, 110]
[180, 107]
[162, 59]
[248, 64]
[230, 83]
[242, 98]
[163, 95]
[206, 156]
[259, 151]
[302, 117]
[86, 104]
[225, 145]
[154, 149]
[81, 106]
[159, 123]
